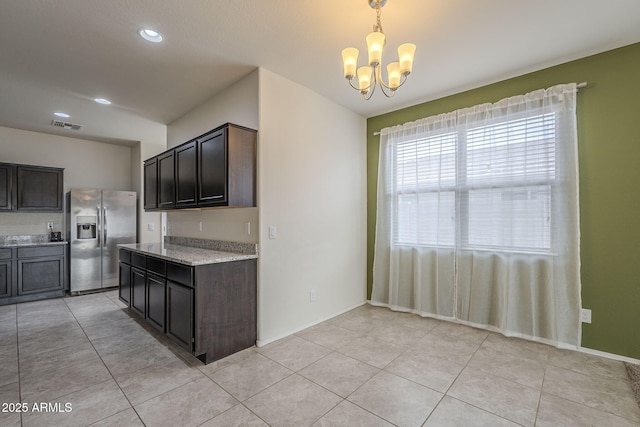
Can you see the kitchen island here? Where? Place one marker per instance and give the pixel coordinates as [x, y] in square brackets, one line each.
[199, 293]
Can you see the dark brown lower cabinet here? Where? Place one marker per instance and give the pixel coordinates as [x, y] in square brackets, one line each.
[180, 314]
[209, 310]
[29, 273]
[138, 291]
[5, 279]
[125, 283]
[156, 300]
[225, 309]
[40, 275]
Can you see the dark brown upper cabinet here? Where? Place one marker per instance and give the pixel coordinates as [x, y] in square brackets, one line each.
[186, 175]
[7, 187]
[151, 184]
[217, 169]
[30, 188]
[166, 181]
[39, 189]
[212, 169]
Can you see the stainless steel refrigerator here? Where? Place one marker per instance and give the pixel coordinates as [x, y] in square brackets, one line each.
[98, 221]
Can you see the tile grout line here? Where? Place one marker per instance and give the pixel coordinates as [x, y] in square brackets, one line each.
[446, 393]
[105, 365]
[18, 356]
[345, 399]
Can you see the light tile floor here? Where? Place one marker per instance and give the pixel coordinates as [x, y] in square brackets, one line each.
[367, 367]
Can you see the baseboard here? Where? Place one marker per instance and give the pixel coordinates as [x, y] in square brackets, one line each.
[609, 355]
[261, 343]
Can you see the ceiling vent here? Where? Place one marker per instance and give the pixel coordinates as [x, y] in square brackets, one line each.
[65, 125]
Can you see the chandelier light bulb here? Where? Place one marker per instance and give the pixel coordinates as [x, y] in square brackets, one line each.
[350, 61]
[364, 78]
[405, 53]
[393, 73]
[375, 44]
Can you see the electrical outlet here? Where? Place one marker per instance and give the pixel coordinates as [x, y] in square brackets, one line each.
[585, 315]
[50, 225]
[247, 228]
[151, 226]
[312, 295]
[200, 225]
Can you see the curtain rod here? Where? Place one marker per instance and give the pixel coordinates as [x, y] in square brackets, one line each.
[578, 86]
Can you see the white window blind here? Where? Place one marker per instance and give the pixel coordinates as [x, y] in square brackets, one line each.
[488, 186]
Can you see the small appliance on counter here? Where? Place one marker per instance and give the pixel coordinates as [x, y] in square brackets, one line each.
[55, 236]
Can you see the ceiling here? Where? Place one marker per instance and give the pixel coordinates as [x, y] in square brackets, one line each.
[58, 55]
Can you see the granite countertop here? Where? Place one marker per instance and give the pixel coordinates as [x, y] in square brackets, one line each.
[27, 240]
[195, 251]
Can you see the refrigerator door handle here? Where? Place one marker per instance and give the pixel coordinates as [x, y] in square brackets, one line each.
[99, 230]
[104, 225]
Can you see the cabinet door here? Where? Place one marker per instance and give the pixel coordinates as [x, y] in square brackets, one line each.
[186, 174]
[180, 314]
[151, 184]
[124, 290]
[40, 275]
[39, 189]
[138, 291]
[212, 169]
[156, 300]
[5, 279]
[166, 181]
[7, 187]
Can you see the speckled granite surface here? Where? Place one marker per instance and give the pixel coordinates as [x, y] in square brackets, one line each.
[27, 240]
[193, 255]
[216, 245]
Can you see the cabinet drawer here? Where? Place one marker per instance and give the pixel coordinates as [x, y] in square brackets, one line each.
[125, 256]
[39, 251]
[5, 253]
[139, 260]
[156, 265]
[182, 274]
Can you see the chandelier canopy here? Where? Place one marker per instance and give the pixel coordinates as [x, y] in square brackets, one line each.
[370, 76]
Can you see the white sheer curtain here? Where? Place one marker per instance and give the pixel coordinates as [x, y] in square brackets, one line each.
[478, 217]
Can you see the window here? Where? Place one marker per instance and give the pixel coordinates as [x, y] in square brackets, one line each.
[478, 216]
[483, 187]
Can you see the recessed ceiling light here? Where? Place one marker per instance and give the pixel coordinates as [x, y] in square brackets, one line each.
[150, 35]
[102, 101]
[61, 114]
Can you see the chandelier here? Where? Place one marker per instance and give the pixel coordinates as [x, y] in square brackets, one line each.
[370, 76]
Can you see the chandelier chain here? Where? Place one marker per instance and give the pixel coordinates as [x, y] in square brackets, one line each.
[378, 25]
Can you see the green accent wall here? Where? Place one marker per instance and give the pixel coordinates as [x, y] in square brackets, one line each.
[609, 156]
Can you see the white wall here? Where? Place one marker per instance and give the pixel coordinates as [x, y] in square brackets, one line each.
[86, 164]
[237, 104]
[312, 187]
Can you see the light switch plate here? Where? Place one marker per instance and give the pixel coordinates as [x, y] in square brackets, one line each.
[273, 232]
